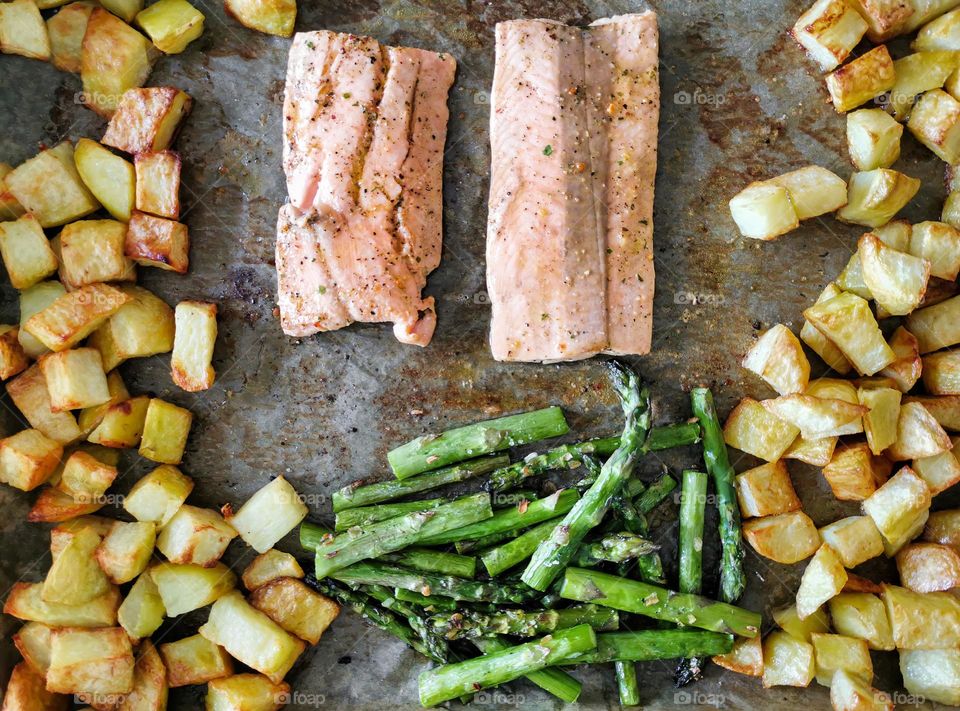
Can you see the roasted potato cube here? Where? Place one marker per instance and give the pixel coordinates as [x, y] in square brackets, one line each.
[115, 58]
[917, 73]
[33, 642]
[899, 508]
[29, 393]
[817, 452]
[158, 183]
[788, 620]
[873, 139]
[147, 119]
[922, 620]
[819, 343]
[928, 567]
[61, 535]
[269, 566]
[746, 657]
[823, 578]
[54, 505]
[863, 616]
[92, 251]
[851, 692]
[110, 178]
[941, 373]
[10, 209]
[847, 321]
[142, 611]
[905, 370]
[125, 551]
[196, 335]
[158, 495]
[22, 30]
[940, 471]
[854, 539]
[813, 190]
[932, 674]
[102, 341]
[941, 33]
[815, 417]
[935, 122]
[753, 429]
[943, 527]
[165, 432]
[75, 315]
[885, 18]
[862, 79]
[835, 652]
[267, 516]
[875, 196]
[150, 689]
[836, 389]
[86, 661]
[49, 186]
[924, 11]
[33, 301]
[938, 243]
[896, 280]
[26, 691]
[764, 211]
[246, 692]
[26, 603]
[936, 327]
[122, 424]
[195, 535]
[171, 24]
[951, 206]
[144, 326]
[296, 608]
[28, 459]
[778, 358]
[195, 660]
[829, 31]
[74, 577]
[918, 434]
[189, 587]
[787, 661]
[26, 252]
[158, 242]
[766, 490]
[66, 30]
[252, 637]
[273, 17]
[880, 423]
[90, 417]
[75, 379]
[786, 538]
[85, 478]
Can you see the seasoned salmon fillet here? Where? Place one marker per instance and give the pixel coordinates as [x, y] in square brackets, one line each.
[364, 129]
[573, 134]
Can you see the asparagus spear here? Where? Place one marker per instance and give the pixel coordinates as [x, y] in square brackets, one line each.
[366, 515]
[654, 601]
[552, 680]
[649, 564]
[655, 494]
[433, 603]
[732, 578]
[649, 645]
[505, 556]
[627, 685]
[431, 561]
[374, 573]
[337, 552]
[613, 548]
[452, 680]
[692, 503]
[553, 554]
[433, 451]
[356, 495]
[520, 623]
[434, 643]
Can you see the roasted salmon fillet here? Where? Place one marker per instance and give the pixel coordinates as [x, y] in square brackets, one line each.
[573, 135]
[364, 130]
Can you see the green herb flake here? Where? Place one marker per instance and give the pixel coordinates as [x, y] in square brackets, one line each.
[322, 290]
[548, 150]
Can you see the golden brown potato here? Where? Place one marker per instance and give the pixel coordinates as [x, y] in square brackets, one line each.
[26, 691]
[848, 322]
[273, 17]
[66, 30]
[751, 428]
[26, 252]
[778, 358]
[788, 620]
[142, 611]
[940, 471]
[85, 478]
[91, 251]
[943, 527]
[875, 196]
[184, 588]
[296, 608]
[22, 30]
[269, 566]
[936, 327]
[171, 24]
[932, 674]
[253, 692]
[75, 315]
[10, 209]
[818, 417]
[851, 692]
[25, 602]
[939, 243]
[935, 122]
[854, 473]
[86, 661]
[28, 459]
[125, 551]
[786, 538]
[823, 578]
[195, 660]
[922, 620]
[787, 661]
[837, 653]
[941, 373]
[746, 657]
[143, 327]
[855, 539]
[885, 18]
[928, 567]
[29, 393]
[33, 642]
[270, 514]
[195, 535]
[873, 139]
[945, 409]
[62, 534]
[158, 242]
[49, 186]
[899, 508]
[165, 432]
[122, 424]
[766, 490]
[53, 506]
[918, 434]
[158, 495]
[864, 78]
[74, 577]
[905, 369]
[863, 616]
[110, 178]
[764, 211]
[158, 183]
[147, 119]
[75, 379]
[150, 689]
[829, 31]
[880, 423]
[196, 335]
[817, 452]
[896, 280]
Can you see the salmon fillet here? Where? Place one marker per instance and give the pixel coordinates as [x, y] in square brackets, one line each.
[573, 133]
[364, 129]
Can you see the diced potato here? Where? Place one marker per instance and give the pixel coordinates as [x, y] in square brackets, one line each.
[764, 211]
[54, 505]
[26, 603]
[75, 379]
[49, 186]
[33, 642]
[836, 389]
[251, 637]
[917, 73]
[941, 33]
[122, 424]
[778, 358]
[896, 280]
[33, 301]
[847, 321]
[835, 653]
[787, 661]
[75, 315]
[66, 30]
[819, 343]
[938, 243]
[195, 535]
[158, 242]
[786, 538]
[102, 341]
[932, 674]
[813, 190]
[863, 616]
[195, 660]
[935, 122]
[90, 417]
[851, 692]
[196, 335]
[22, 30]
[74, 577]
[269, 566]
[125, 551]
[855, 539]
[274, 17]
[61, 535]
[90, 661]
[746, 657]
[26, 689]
[829, 31]
[873, 139]
[926, 10]
[922, 620]
[150, 688]
[28, 459]
[936, 326]
[885, 18]
[13, 360]
[26, 252]
[945, 409]
[147, 119]
[142, 611]
[815, 417]
[158, 183]
[158, 495]
[165, 432]
[753, 429]
[862, 79]
[941, 373]
[189, 587]
[267, 516]
[85, 478]
[943, 527]
[823, 578]
[951, 206]
[296, 608]
[110, 178]
[142, 327]
[115, 58]
[918, 434]
[817, 452]
[880, 423]
[29, 393]
[875, 196]
[929, 567]
[906, 369]
[899, 508]
[766, 490]
[171, 24]
[940, 471]
[10, 209]
[246, 692]
[788, 620]
[92, 251]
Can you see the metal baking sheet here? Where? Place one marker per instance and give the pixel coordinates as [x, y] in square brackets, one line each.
[740, 102]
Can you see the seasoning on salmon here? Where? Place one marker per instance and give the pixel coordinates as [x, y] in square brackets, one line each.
[573, 134]
[364, 131]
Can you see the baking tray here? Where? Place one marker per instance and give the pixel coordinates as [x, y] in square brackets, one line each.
[740, 102]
